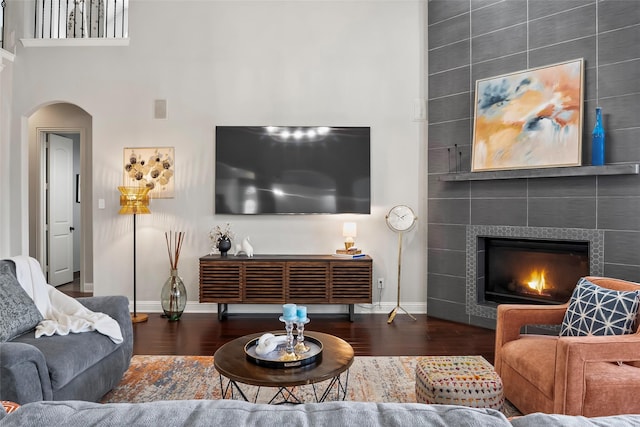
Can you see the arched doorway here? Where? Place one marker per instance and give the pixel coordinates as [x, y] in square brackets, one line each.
[60, 193]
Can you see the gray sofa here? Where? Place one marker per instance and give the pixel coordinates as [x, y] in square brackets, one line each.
[82, 366]
[230, 412]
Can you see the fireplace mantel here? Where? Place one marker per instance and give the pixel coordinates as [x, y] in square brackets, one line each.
[623, 169]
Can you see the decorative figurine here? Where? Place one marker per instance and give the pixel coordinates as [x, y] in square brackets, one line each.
[246, 247]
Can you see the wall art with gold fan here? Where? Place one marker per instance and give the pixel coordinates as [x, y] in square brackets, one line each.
[153, 167]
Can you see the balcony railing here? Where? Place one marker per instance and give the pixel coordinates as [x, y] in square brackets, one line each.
[3, 3]
[66, 19]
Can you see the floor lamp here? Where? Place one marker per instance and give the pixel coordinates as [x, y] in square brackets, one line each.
[134, 201]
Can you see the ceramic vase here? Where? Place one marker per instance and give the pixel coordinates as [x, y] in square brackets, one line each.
[224, 244]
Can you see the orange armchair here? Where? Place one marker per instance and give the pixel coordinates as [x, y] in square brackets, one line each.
[590, 376]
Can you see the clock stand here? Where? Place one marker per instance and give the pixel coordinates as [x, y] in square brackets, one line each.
[393, 312]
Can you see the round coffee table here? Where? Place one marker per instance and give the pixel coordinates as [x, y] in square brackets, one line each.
[337, 356]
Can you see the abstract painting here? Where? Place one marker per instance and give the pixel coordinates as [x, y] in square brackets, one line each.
[529, 119]
[150, 167]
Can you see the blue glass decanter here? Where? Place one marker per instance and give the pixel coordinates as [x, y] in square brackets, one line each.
[597, 139]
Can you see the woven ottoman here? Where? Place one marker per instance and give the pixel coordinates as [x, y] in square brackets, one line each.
[458, 380]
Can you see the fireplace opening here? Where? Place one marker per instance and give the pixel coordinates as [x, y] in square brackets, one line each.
[529, 271]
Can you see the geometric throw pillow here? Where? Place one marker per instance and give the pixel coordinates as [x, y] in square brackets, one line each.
[18, 312]
[594, 310]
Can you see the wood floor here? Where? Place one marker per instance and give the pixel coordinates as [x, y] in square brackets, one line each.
[370, 334]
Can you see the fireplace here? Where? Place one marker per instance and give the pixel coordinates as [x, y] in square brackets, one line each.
[532, 270]
[480, 310]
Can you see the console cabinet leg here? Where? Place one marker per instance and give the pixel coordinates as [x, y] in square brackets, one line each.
[222, 311]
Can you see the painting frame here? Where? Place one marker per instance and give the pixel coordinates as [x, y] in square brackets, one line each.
[153, 167]
[529, 119]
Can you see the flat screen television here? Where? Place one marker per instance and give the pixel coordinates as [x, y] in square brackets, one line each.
[292, 170]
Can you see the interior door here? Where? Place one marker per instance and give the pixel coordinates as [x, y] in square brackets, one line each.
[60, 209]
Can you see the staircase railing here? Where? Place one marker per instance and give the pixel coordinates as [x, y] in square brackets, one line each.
[60, 19]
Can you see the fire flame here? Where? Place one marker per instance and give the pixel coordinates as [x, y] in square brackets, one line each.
[537, 281]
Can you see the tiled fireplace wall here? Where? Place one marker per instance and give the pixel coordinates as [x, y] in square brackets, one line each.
[475, 39]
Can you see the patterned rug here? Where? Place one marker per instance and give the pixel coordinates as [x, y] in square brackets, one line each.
[152, 378]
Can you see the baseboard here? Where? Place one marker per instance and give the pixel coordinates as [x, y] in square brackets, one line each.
[196, 307]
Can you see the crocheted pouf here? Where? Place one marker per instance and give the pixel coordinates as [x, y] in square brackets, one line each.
[458, 380]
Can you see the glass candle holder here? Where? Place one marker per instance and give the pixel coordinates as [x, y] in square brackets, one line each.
[300, 346]
[290, 354]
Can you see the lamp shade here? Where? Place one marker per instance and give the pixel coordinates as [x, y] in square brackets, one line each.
[349, 229]
[134, 200]
[349, 232]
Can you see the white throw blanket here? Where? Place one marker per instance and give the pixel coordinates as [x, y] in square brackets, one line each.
[62, 314]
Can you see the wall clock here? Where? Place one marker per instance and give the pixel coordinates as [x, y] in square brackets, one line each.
[400, 218]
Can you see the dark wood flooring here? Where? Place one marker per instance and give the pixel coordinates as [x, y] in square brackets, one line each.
[370, 334]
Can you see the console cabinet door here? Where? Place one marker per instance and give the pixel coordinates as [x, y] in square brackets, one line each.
[308, 282]
[221, 282]
[264, 282]
[350, 282]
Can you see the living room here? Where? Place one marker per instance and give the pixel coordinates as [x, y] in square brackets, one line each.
[300, 94]
[406, 69]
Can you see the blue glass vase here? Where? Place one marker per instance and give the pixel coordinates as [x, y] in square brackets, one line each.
[597, 140]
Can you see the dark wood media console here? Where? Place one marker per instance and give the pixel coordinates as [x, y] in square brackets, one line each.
[279, 279]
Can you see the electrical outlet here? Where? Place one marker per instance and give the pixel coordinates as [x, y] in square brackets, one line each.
[380, 283]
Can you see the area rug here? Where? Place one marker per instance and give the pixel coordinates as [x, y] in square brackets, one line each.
[152, 378]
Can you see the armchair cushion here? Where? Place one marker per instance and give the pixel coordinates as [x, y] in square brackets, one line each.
[88, 349]
[530, 356]
[599, 311]
[18, 312]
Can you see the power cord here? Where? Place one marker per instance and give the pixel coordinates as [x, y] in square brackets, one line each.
[370, 306]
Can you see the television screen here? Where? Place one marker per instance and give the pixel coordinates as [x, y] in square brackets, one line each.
[292, 170]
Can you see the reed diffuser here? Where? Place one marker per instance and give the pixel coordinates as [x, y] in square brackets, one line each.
[174, 293]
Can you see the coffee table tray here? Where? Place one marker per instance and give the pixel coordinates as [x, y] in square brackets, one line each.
[274, 359]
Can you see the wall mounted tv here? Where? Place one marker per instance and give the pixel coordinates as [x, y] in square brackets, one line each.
[292, 170]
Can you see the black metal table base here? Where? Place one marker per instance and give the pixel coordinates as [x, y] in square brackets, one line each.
[336, 387]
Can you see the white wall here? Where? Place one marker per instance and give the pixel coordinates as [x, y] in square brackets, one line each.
[320, 62]
[6, 73]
